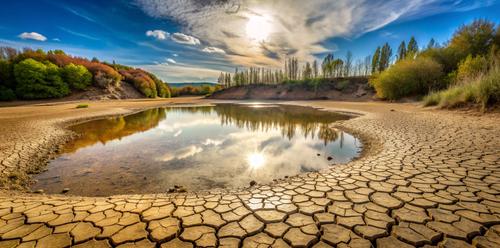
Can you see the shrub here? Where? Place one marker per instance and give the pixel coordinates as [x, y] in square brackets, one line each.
[36, 80]
[488, 92]
[6, 75]
[484, 90]
[82, 106]
[141, 81]
[161, 87]
[471, 68]
[432, 99]
[6, 94]
[408, 77]
[342, 85]
[104, 75]
[77, 76]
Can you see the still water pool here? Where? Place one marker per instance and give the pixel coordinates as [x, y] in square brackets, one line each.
[197, 147]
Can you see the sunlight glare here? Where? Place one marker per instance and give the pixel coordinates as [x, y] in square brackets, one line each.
[256, 160]
[258, 28]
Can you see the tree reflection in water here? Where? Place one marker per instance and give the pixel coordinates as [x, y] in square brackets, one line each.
[290, 120]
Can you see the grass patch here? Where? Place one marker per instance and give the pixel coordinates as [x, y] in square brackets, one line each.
[484, 90]
[79, 106]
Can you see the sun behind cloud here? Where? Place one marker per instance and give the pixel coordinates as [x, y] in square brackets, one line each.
[259, 27]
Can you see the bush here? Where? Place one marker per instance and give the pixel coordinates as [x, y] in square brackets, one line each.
[408, 77]
[77, 76]
[484, 90]
[488, 92]
[104, 76]
[141, 81]
[6, 94]
[432, 99]
[161, 87]
[471, 68]
[82, 106]
[6, 76]
[36, 80]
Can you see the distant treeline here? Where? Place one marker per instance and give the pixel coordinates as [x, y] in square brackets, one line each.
[291, 72]
[195, 90]
[35, 74]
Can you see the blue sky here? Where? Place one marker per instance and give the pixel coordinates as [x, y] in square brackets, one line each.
[193, 40]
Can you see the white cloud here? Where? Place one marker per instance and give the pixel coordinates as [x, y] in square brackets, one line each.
[209, 142]
[297, 28]
[158, 34]
[56, 39]
[178, 133]
[182, 73]
[32, 36]
[181, 153]
[213, 50]
[185, 39]
[175, 55]
[169, 60]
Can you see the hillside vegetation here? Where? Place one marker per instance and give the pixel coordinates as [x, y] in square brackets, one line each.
[35, 74]
[462, 72]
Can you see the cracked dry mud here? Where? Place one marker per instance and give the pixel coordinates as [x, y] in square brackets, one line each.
[429, 178]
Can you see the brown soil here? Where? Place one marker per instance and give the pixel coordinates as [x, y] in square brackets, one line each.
[353, 89]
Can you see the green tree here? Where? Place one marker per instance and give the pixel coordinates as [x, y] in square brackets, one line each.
[402, 51]
[432, 44]
[326, 65]
[385, 57]
[412, 49]
[76, 76]
[376, 60]
[348, 64]
[315, 69]
[36, 80]
[307, 73]
[475, 38]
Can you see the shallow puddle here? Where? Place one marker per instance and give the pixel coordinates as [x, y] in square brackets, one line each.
[225, 145]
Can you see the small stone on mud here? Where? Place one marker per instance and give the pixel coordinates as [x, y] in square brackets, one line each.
[317, 154]
[286, 176]
[392, 110]
[65, 190]
[329, 158]
[171, 190]
[252, 183]
[39, 191]
[176, 186]
[145, 178]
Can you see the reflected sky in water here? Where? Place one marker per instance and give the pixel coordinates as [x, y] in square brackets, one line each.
[206, 147]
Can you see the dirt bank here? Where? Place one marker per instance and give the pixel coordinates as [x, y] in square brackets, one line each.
[341, 89]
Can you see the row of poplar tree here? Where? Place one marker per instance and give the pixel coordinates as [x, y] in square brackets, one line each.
[330, 67]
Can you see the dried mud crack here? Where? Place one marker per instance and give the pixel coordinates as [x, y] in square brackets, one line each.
[431, 178]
